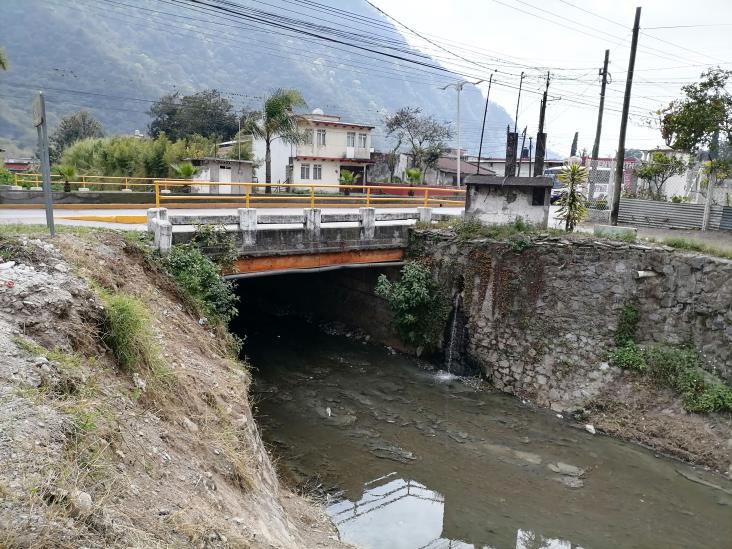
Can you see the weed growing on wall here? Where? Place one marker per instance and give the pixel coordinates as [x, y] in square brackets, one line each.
[215, 242]
[201, 281]
[678, 368]
[420, 306]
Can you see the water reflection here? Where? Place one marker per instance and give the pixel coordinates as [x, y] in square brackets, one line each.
[396, 513]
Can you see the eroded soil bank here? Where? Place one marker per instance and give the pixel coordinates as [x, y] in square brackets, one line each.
[92, 456]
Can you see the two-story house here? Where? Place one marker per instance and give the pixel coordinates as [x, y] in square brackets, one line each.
[330, 146]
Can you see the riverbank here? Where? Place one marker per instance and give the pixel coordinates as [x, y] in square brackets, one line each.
[96, 455]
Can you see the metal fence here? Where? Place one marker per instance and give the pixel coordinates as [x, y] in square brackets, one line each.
[669, 215]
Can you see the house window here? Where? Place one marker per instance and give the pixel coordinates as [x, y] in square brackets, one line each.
[304, 171]
[308, 137]
[362, 140]
[321, 138]
[317, 171]
[351, 139]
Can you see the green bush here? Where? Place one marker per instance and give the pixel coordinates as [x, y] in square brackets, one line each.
[627, 325]
[629, 357]
[200, 279]
[419, 305]
[127, 332]
[6, 176]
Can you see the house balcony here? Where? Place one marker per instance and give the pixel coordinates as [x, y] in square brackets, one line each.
[361, 153]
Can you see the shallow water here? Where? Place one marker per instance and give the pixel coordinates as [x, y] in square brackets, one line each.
[419, 459]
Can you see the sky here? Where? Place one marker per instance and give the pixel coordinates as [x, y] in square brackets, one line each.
[569, 38]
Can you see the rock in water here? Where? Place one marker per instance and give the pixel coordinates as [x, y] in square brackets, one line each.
[590, 429]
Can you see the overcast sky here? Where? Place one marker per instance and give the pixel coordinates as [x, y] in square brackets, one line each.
[573, 42]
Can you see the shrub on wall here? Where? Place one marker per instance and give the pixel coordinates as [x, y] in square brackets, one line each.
[419, 305]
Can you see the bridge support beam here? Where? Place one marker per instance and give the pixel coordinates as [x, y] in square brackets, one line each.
[368, 223]
[312, 222]
[425, 214]
[248, 225]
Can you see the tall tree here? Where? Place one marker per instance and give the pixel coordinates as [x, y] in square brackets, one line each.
[573, 150]
[205, 113]
[72, 128]
[424, 135]
[276, 120]
[698, 120]
[657, 170]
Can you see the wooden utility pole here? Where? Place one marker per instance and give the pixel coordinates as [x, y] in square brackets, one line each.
[485, 112]
[521, 151]
[598, 132]
[541, 136]
[620, 159]
[518, 102]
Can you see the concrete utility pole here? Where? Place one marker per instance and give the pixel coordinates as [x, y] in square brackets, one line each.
[531, 142]
[521, 150]
[620, 159]
[713, 155]
[485, 113]
[598, 132]
[39, 121]
[459, 88]
[541, 136]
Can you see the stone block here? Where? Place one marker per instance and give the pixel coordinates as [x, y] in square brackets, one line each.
[312, 222]
[425, 214]
[248, 225]
[165, 236]
[367, 218]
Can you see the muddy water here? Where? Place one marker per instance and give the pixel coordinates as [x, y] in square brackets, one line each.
[413, 458]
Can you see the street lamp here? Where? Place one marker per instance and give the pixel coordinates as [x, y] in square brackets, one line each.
[459, 87]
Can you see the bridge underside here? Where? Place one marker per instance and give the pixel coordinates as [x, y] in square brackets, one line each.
[289, 263]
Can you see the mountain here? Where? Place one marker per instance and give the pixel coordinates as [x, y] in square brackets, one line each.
[116, 57]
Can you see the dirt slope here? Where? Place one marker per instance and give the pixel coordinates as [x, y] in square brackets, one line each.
[91, 456]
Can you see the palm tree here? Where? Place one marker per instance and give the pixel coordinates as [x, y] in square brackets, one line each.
[185, 171]
[4, 64]
[67, 173]
[572, 203]
[276, 120]
[347, 178]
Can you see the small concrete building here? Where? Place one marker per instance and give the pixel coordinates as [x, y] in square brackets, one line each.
[221, 170]
[502, 200]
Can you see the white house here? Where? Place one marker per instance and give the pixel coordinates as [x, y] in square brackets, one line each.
[330, 145]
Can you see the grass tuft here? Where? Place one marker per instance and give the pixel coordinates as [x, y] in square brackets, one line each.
[128, 333]
[692, 245]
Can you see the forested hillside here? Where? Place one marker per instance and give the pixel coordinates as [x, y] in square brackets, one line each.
[115, 58]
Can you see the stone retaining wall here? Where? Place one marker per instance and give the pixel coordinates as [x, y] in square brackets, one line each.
[542, 313]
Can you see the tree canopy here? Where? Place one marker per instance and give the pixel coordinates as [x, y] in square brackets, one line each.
[72, 128]
[424, 135]
[690, 123]
[135, 157]
[205, 113]
[657, 170]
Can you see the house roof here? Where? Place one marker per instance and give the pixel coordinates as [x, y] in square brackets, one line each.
[338, 123]
[479, 180]
[217, 159]
[449, 165]
[334, 159]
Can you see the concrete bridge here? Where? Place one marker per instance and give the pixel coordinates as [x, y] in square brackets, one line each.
[313, 240]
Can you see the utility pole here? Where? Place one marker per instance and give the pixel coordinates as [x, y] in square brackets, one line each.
[541, 136]
[531, 140]
[459, 87]
[485, 112]
[40, 122]
[518, 102]
[521, 151]
[713, 155]
[624, 122]
[598, 132]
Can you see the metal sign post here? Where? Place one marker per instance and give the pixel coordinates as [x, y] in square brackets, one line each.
[39, 121]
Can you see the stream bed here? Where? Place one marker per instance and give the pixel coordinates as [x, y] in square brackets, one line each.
[410, 457]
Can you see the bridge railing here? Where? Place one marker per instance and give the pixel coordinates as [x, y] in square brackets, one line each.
[313, 195]
[91, 182]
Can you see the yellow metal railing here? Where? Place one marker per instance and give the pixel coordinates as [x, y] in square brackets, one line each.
[315, 194]
[36, 179]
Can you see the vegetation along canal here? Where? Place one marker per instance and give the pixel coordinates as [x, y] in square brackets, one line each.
[410, 457]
